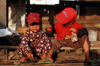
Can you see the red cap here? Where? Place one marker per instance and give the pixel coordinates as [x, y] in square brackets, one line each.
[67, 15]
[33, 17]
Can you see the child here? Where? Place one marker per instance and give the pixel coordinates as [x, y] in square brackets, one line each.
[70, 34]
[34, 40]
[49, 31]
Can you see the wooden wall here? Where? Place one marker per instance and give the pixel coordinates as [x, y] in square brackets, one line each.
[16, 14]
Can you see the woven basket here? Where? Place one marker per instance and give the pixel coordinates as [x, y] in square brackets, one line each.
[22, 30]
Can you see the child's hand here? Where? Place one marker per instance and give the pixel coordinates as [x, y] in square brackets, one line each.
[74, 37]
[30, 56]
[73, 30]
[49, 27]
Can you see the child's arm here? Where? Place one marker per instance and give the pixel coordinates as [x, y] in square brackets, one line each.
[80, 32]
[24, 47]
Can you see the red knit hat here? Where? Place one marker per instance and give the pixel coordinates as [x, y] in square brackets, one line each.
[67, 15]
[33, 17]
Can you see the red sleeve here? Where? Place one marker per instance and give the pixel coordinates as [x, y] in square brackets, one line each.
[60, 31]
[77, 26]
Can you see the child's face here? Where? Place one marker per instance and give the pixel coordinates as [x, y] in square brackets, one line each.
[35, 27]
[69, 24]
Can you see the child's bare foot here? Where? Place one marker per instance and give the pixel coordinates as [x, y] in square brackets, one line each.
[23, 59]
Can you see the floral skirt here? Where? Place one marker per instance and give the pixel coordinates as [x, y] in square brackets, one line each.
[57, 44]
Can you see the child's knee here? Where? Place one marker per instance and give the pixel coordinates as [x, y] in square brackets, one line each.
[85, 37]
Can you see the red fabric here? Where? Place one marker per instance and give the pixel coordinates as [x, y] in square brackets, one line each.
[33, 17]
[62, 31]
[67, 15]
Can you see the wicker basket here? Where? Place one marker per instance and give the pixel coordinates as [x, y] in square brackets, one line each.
[22, 30]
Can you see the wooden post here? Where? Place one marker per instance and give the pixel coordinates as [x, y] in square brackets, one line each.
[3, 14]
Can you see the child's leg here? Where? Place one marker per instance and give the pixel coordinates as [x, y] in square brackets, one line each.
[49, 56]
[55, 46]
[86, 48]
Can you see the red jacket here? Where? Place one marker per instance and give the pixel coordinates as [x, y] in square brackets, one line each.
[62, 31]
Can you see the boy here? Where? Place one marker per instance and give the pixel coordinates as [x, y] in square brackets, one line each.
[70, 34]
[34, 40]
